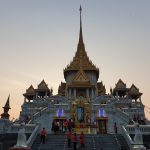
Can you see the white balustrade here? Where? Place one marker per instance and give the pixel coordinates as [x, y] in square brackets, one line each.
[145, 129]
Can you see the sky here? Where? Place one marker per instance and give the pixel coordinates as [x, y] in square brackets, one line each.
[38, 39]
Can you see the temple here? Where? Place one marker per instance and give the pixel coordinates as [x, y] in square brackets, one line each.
[82, 99]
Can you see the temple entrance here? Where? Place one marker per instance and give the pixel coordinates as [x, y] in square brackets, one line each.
[102, 120]
[102, 125]
[59, 120]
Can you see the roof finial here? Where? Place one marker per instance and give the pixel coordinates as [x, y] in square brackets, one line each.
[80, 9]
[80, 36]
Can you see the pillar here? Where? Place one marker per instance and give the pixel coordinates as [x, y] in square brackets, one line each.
[74, 92]
[117, 94]
[36, 95]
[46, 94]
[92, 93]
[69, 93]
[87, 93]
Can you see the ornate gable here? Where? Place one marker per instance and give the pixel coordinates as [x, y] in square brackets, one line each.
[42, 85]
[30, 89]
[134, 89]
[120, 84]
[81, 77]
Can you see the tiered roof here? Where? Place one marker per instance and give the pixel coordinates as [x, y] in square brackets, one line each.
[81, 59]
[43, 85]
[134, 92]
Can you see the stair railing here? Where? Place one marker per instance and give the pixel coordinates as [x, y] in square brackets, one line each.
[127, 137]
[38, 114]
[124, 116]
[33, 135]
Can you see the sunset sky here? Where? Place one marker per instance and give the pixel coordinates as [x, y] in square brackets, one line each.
[38, 39]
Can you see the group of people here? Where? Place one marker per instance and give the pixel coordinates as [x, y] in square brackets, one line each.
[75, 139]
[62, 126]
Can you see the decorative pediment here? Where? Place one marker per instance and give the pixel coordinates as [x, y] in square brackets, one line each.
[133, 89]
[120, 84]
[30, 89]
[134, 92]
[81, 77]
[42, 85]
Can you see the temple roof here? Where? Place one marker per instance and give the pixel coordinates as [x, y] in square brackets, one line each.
[120, 85]
[43, 85]
[134, 90]
[81, 58]
[30, 89]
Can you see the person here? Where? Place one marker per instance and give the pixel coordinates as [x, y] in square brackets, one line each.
[64, 125]
[69, 124]
[69, 137]
[43, 135]
[115, 128]
[82, 145]
[53, 125]
[75, 141]
[81, 127]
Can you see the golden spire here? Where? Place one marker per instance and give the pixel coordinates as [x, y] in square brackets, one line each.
[80, 35]
[81, 60]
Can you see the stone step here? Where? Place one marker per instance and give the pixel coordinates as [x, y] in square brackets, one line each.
[92, 142]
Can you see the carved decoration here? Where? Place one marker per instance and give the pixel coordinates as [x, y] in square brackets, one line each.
[80, 102]
[43, 85]
[81, 77]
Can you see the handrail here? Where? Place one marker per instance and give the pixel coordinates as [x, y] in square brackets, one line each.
[124, 116]
[38, 114]
[33, 136]
[127, 137]
[144, 129]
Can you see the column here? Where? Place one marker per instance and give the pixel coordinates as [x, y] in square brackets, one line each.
[36, 95]
[92, 93]
[69, 93]
[87, 93]
[74, 92]
[46, 94]
[117, 94]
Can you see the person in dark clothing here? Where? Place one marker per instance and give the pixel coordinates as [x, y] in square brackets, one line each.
[115, 128]
[53, 124]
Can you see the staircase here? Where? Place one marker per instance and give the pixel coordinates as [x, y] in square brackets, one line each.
[122, 141]
[106, 141]
[92, 142]
[52, 142]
